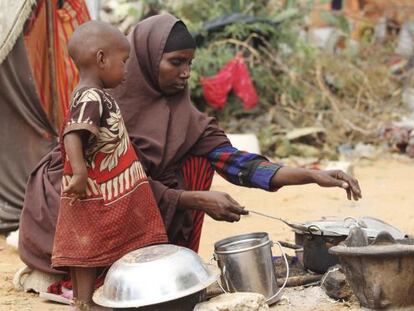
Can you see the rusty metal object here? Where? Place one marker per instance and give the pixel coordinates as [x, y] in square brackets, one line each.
[380, 274]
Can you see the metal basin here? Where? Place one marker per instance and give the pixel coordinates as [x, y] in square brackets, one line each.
[153, 275]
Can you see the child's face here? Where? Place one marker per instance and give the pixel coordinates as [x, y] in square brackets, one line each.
[114, 70]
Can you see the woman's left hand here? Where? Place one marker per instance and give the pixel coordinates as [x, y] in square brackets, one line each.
[337, 178]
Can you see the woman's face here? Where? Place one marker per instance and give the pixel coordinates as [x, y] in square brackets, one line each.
[174, 71]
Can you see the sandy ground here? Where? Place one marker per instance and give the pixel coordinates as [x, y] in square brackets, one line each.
[388, 194]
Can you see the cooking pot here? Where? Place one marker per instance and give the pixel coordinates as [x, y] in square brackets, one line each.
[323, 234]
[246, 264]
[316, 255]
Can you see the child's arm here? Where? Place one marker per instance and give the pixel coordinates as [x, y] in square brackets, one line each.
[74, 146]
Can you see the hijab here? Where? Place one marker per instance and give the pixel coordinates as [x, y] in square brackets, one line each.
[164, 129]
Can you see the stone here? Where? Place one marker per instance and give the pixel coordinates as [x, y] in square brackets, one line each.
[335, 285]
[357, 238]
[234, 302]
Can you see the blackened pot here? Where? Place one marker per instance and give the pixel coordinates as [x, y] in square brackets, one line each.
[316, 255]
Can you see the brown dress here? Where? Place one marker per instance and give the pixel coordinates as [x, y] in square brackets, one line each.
[119, 213]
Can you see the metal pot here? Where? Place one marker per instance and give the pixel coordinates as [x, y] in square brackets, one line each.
[323, 234]
[246, 265]
[316, 255]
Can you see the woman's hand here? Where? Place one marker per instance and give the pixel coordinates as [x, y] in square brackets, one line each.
[340, 179]
[286, 176]
[218, 205]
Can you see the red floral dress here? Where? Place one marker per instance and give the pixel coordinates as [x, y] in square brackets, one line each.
[119, 213]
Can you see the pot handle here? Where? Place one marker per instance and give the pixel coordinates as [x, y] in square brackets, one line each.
[287, 271]
[223, 272]
[219, 281]
[314, 228]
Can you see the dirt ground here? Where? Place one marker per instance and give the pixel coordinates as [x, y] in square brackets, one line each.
[387, 194]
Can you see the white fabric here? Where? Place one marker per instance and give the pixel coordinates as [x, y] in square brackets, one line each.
[13, 239]
[27, 279]
[13, 14]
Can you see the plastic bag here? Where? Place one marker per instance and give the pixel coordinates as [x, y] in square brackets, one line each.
[233, 76]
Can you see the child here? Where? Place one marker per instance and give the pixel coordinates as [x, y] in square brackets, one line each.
[107, 208]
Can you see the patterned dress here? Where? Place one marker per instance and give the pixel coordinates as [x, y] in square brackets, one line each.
[119, 213]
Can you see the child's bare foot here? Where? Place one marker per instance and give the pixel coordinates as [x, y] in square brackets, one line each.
[80, 305]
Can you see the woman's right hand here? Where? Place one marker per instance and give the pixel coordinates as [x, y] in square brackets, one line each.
[218, 205]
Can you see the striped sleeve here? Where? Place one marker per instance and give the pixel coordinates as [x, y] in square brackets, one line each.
[243, 168]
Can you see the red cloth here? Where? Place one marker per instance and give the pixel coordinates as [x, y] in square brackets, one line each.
[198, 176]
[119, 213]
[65, 19]
[234, 75]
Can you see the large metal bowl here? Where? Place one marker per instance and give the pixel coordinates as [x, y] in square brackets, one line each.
[153, 275]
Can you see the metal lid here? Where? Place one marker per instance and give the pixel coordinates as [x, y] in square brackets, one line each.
[241, 243]
[341, 227]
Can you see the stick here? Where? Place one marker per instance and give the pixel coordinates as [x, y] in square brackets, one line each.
[300, 280]
[289, 245]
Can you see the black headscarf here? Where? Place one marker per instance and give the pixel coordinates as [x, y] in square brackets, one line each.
[179, 39]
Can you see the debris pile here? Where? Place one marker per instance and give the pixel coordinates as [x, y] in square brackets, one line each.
[318, 87]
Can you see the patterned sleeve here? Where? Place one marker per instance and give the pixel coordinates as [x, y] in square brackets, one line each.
[85, 112]
[243, 168]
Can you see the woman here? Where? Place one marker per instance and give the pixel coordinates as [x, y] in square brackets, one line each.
[177, 144]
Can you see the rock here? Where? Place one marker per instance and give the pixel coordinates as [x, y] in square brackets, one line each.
[357, 238]
[335, 285]
[235, 302]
